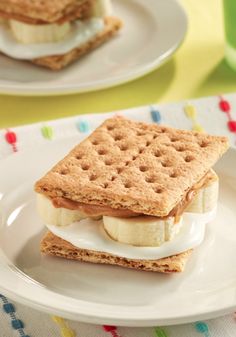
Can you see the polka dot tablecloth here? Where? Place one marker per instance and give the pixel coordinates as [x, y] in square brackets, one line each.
[216, 115]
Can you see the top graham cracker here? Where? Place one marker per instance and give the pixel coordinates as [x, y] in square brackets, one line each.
[146, 168]
[36, 11]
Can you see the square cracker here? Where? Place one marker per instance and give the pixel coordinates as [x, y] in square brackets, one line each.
[57, 62]
[146, 168]
[55, 246]
[43, 11]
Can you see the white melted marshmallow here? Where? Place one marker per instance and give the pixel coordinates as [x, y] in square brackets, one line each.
[81, 33]
[89, 234]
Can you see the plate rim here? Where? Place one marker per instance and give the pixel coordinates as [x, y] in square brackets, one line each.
[14, 89]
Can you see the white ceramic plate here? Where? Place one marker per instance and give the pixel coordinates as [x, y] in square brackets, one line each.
[152, 32]
[109, 294]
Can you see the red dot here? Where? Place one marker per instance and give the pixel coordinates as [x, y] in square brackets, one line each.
[109, 328]
[10, 137]
[232, 126]
[224, 106]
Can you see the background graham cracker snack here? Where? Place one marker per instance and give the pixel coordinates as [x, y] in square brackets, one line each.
[53, 245]
[124, 164]
[57, 62]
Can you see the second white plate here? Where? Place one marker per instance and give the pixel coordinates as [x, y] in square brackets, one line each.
[152, 31]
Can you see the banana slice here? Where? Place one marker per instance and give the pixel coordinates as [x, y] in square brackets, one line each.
[206, 198]
[29, 34]
[101, 8]
[141, 231]
[56, 216]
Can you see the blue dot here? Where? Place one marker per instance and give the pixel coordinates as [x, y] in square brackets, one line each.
[17, 324]
[156, 116]
[201, 327]
[8, 308]
[83, 126]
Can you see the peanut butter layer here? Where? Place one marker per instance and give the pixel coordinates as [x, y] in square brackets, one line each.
[96, 210]
[92, 210]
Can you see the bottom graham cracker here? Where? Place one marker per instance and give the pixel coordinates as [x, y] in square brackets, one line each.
[53, 245]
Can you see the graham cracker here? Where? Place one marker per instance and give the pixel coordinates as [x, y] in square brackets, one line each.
[44, 11]
[55, 246]
[57, 62]
[123, 164]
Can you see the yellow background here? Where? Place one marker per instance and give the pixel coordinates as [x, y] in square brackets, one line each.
[197, 69]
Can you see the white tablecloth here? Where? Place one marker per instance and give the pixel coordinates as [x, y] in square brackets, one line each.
[18, 320]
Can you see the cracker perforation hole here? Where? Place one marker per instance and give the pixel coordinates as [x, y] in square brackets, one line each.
[166, 164]
[105, 185]
[95, 142]
[140, 133]
[118, 137]
[108, 162]
[102, 152]
[150, 179]
[85, 167]
[110, 127]
[158, 190]
[174, 175]
[143, 168]
[148, 143]
[134, 157]
[157, 153]
[128, 185]
[64, 172]
[173, 139]
[188, 159]
[155, 136]
[180, 148]
[119, 170]
[93, 177]
[203, 144]
[113, 178]
[123, 147]
[162, 130]
[79, 156]
[127, 163]
[141, 150]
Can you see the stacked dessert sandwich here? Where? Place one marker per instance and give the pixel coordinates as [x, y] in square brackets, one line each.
[140, 180]
[55, 32]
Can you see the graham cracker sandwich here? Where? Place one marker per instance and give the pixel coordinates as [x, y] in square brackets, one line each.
[131, 194]
[54, 33]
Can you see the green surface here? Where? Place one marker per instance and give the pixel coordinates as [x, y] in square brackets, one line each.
[230, 21]
[197, 69]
